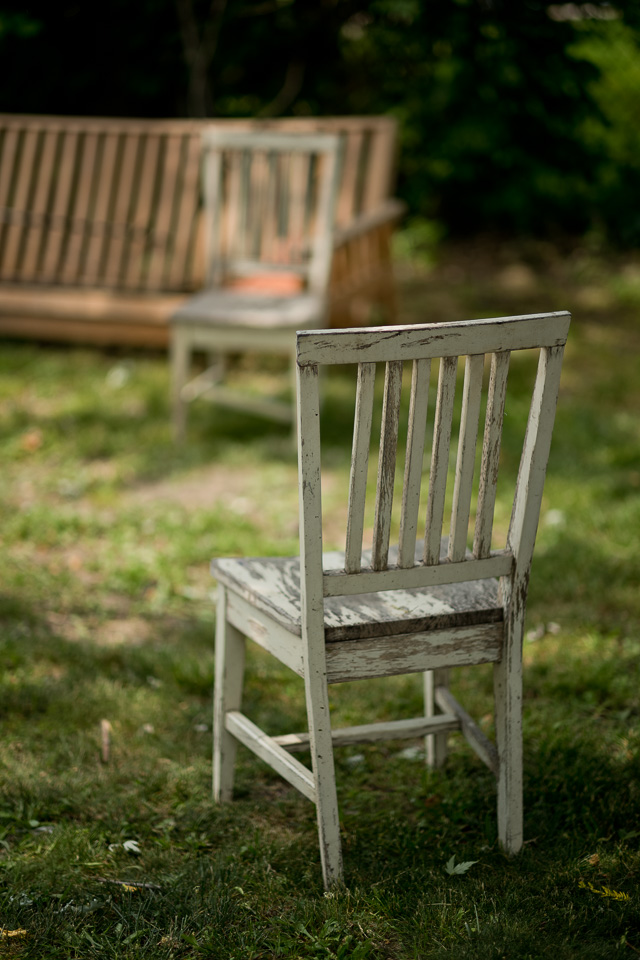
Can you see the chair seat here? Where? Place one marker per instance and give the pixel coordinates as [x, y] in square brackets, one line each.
[233, 309]
[272, 585]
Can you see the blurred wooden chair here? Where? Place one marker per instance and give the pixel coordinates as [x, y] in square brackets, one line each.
[421, 606]
[269, 202]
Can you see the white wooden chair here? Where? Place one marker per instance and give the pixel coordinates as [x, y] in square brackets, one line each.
[423, 605]
[269, 205]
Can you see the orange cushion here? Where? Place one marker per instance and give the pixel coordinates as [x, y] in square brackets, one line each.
[277, 284]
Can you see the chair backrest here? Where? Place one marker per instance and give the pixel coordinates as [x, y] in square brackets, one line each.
[270, 205]
[483, 343]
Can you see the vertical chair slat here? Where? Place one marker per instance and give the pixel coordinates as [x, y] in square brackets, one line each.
[535, 454]
[38, 228]
[359, 466]
[298, 204]
[491, 454]
[76, 245]
[270, 219]
[465, 465]
[214, 201]
[17, 230]
[413, 464]
[68, 153]
[440, 459]
[123, 200]
[386, 464]
[231, 190]
[325, 200]
[258, 197]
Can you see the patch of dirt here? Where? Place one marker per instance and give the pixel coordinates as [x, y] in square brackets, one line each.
[202, 488]
[131, 631]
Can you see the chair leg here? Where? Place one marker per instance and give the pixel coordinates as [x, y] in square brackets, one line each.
[180, 361]
[229, 673]
[435, 743]
[324, 773]
[507, 684]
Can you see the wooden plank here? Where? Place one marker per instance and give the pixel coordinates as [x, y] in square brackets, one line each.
[337, 584]
[375, 732]
[124, 201]
[106, 189]
[214, 204]
[418, 405]
[279, 141]
[104, 332]
[162, 217]
[414, 653]
[470, 729]
[271, 752]
[299, 185]
[61, 225]
[134, 256]
[18, 228]
[37, 228]
[227, 695]
[423, 341]
[465, 466]
[491, 454]
[180, 273]
[7, 167]
[359, 466]
[386, 465]
[440, 459]
[71, 265]
[266, 632]
[353, 144]
[535, 454]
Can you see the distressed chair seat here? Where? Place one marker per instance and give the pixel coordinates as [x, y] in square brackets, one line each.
[272, 585]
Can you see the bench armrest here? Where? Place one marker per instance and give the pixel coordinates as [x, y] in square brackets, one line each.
[388, 212]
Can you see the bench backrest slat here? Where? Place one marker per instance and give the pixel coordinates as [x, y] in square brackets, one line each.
[116, 203]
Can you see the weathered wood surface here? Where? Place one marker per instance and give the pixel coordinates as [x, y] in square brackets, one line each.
[374, 732]
[273, 586]
[114, 206]
[431, 340]
[424, 609]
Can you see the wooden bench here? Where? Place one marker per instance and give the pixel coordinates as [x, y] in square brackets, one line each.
[101, 233]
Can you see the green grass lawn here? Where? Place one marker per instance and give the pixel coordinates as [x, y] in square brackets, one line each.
[106, 625]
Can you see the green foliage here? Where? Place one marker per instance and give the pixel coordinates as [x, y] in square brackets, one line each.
[512, 118]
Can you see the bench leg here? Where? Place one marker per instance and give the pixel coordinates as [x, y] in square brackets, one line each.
[435, 743]
[229, 674]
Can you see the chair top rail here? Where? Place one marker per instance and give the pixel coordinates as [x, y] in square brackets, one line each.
[271, 141]
[430, 340]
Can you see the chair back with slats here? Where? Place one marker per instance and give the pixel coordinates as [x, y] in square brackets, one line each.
[270, 206]
[469, 554]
